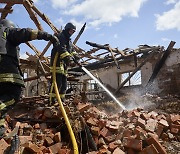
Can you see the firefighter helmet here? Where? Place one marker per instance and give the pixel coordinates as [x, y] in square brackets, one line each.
[7, 23]
[70, 26]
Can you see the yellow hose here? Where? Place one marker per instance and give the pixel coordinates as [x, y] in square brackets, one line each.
[73, 139]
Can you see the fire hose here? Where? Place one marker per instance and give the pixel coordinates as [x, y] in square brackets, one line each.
[73, 139]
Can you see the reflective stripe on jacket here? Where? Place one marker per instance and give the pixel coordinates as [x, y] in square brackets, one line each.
[60, 69]
[13, 78]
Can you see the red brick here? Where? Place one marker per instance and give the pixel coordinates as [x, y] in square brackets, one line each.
[101, 141]
[92, 121]
[159, 130]
[118, 151]
[164, 123]
[112, 146]
[64, 151]
[3, 145]
[141, 122]
[161, 116]
[114, 125]
[95, 130]
[149, 150]
[105, 132]
[144, 116]
[55, 148]
[136, 113]
[25, 139]
[174, 117]
[103, 151]
[157, 145]
[177, 122]
[132, 143]
[48, 140]
[93, 152]
[101, 123]
[95, 110]
[57, 137]
[153, 114]
[127, 133]
[36, 126]
[140, 133]
[83, 107]
[31, 147]
[139, 130]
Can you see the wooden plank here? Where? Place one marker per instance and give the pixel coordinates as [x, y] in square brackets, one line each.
[7, 9]
[12, 1]
[28, 7]
[160, 63]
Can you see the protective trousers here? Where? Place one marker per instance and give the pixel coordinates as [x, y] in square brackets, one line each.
[61, 81]
[9, 95]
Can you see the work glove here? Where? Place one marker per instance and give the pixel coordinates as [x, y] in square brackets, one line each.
[43, 36]
[48, 37]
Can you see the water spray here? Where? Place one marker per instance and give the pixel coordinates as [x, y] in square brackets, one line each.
[100, 84]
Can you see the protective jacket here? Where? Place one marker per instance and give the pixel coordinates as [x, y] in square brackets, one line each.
[10, 38]
[66, 50]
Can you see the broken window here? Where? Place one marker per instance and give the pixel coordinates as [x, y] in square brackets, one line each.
[134, 80]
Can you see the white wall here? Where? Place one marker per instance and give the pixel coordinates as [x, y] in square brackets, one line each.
[109, 76]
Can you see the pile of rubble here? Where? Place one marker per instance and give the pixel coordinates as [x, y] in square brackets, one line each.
[42, 130]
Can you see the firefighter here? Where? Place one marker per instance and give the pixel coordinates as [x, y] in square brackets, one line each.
[11, 81]
[66, 52]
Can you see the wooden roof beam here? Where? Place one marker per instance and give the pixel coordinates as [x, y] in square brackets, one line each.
[12, 1]
[7, 9]
[28, 7]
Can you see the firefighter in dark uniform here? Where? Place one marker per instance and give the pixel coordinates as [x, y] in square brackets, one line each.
[66, 52]
[11, 81]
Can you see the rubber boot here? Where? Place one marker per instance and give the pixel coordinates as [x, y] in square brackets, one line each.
[2, 131]
[15, 142]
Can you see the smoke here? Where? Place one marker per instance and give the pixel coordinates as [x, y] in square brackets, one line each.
[135, 99]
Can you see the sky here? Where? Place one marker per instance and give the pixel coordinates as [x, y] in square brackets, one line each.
[119, 23]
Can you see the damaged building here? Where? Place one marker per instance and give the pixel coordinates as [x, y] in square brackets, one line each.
[146, 80]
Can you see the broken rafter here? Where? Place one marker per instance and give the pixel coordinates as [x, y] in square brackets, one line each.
[160, 63]
[32, 15]
[45, 18]
[7, 9]
[38, 53]
[12, 1]
[79, 34]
